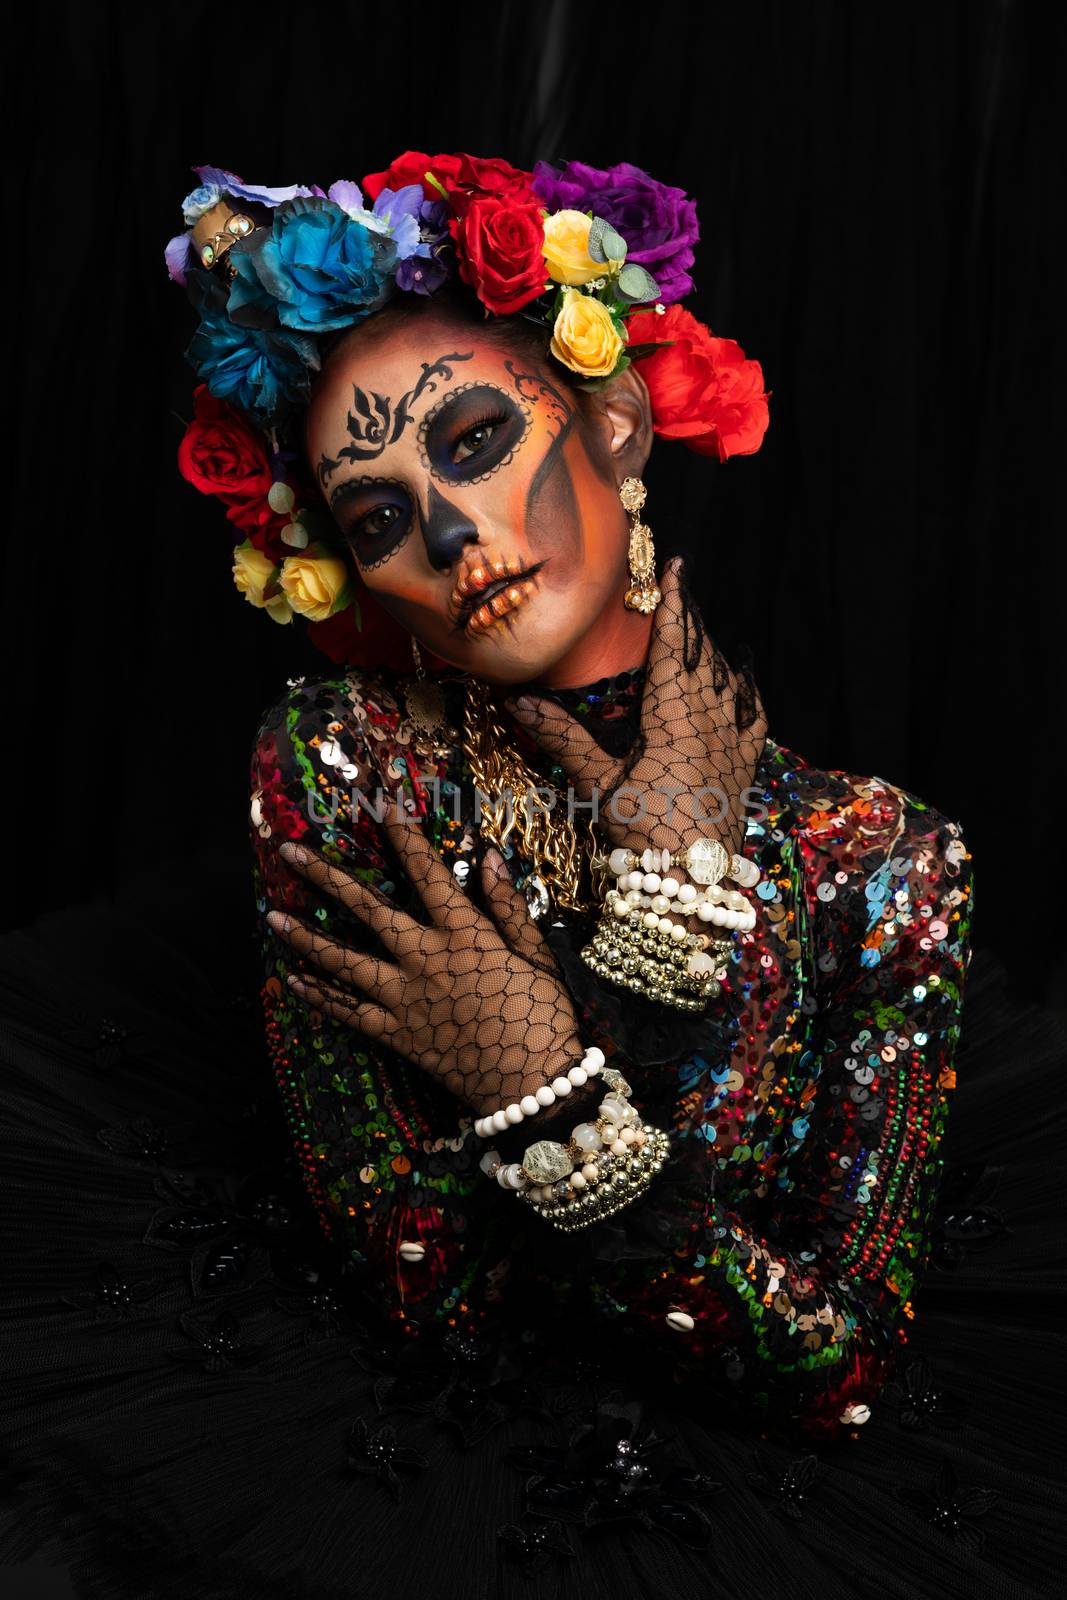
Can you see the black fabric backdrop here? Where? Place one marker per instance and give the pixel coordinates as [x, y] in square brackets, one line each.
[877, 188]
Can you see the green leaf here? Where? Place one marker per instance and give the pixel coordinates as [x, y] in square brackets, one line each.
[281, 498]
[636, 284]
[604, 243]
[637, 352]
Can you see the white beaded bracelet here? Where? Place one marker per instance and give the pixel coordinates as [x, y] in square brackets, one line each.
[641, 889]
[530, 1104]
[705, 859]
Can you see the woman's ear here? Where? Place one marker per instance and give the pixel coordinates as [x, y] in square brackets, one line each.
[622, 414]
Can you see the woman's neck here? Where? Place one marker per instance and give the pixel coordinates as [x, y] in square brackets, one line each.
[618, 642]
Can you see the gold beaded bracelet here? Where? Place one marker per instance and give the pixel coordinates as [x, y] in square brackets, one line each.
[623, 1180]
[654, 963]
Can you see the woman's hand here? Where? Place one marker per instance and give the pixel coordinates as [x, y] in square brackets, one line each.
[487, 1016]
[694, 761]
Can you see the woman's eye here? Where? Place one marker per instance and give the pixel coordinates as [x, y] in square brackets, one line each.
[474, 440]
[380, 521]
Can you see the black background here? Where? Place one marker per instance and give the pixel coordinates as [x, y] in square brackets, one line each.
[877, 189]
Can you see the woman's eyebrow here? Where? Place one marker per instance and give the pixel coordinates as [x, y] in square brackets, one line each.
[352, 486]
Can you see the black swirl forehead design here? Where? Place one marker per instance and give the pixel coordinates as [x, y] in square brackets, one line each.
[531, 386]
[471, 397]
[374, 423]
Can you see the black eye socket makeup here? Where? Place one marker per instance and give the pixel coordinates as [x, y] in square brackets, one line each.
[472, 432]
[375, 515]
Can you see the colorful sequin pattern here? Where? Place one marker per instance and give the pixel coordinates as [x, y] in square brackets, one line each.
[822, 1130]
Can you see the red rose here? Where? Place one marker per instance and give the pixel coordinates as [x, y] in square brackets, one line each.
[491, 175]
[488, 173]
[223, 455]
[412, 167]
[500, 250]
[703, 390]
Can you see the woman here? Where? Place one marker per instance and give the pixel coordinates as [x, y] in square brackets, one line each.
[615, 1042]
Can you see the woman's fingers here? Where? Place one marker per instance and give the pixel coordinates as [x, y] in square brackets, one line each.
[509, 910]
[353, 967]
[671, 628]
[561, 736]
[369, 904]
[677, 696]
[432, 880]
[436, 884]
[362, 1015]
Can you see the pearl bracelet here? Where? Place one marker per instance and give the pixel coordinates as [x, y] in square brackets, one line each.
[530, 1104]
[706, 861]
[603, 1166]
[646, 884]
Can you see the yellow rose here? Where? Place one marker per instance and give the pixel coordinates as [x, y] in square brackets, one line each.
[252, 572]
[566, 248]
[314, 584]
[584, 337]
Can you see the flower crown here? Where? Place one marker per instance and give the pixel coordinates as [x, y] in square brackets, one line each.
[598, 257]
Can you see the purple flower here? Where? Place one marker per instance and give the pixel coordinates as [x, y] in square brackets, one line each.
[231, 184]
[425, 270]
[657, 221]
[394, 214]
[400, 209]
[178, 255]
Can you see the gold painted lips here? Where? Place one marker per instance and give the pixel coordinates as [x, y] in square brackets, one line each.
[488, 590]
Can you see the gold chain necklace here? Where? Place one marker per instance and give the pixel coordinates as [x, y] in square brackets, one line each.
[567, 859]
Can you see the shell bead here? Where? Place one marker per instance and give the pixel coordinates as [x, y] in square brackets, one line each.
[680, 1321]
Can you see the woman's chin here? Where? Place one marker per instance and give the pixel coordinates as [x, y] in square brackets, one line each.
[514, 647]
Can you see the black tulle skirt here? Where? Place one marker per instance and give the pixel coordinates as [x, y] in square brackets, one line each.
[198, 1403]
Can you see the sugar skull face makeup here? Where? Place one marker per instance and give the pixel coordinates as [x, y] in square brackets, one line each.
[477, 496]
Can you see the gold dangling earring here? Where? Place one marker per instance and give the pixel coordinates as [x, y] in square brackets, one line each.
[425, 700]
[643, 593]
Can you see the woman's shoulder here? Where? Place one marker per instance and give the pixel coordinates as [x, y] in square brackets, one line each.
[318, 743]
[875, 866]
[856, 820]
[355, 699]
[317, 764]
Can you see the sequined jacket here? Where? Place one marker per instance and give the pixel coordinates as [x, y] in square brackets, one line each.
[815, 1134]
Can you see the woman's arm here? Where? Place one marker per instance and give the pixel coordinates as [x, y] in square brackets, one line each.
[799, 1270]
[365, 1142]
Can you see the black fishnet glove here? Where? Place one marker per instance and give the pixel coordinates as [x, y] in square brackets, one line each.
[702, 728]
[474, 1000]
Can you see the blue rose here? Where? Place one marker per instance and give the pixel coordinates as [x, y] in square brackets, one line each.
[263, 371]
[194, 205]
[316, 268]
